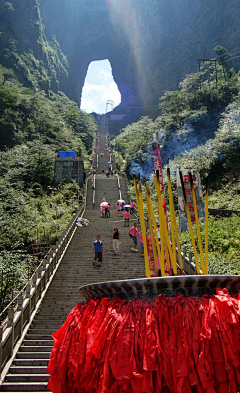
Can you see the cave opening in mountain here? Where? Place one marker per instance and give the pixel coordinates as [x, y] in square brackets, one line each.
[99, 88]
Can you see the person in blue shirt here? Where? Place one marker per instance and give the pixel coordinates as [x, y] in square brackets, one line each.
[97, 248]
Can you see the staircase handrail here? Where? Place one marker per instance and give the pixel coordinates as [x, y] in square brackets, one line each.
[21, 292]
[94, 187]
[119, 187]
[20, 318]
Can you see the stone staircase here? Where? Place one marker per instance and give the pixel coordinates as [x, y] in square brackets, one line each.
[28, 370]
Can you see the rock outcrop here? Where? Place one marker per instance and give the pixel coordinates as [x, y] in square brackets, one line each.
[39, 63]
[151, 44]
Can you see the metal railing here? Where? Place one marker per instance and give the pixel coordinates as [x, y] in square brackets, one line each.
[14, 302]
[119, 187]
[30, 297]
[94, 189]
[223, 212]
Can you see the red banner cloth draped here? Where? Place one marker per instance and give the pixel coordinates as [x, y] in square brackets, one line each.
[164, 345]
[150, 256]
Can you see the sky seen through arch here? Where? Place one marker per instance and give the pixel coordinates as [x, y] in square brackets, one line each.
[99, 87]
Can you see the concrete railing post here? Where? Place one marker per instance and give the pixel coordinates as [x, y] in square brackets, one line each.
[190, 262]
[28, 289]
[44, 273]
[34, 280]
[39, 272]
[28, 296]
[20, 308]
[11, 323]
[184, 258]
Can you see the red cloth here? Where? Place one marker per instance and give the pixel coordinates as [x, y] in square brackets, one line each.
[164, 345]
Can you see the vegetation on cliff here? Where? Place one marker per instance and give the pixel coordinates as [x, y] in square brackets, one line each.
[37, 61]
[199, 127]
[33, 127]
[36, 121]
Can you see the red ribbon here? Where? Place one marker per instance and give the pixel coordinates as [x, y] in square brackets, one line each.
[169, 345]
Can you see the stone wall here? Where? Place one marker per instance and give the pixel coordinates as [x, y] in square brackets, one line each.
[69, 168]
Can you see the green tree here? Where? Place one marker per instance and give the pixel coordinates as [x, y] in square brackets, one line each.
[223, 57]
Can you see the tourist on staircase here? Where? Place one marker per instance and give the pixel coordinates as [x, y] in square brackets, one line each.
[118, 209]
[116, 241]
[106, 211]
[132, 205]
[109, 207]
[97, 248]
[133, 234]
[126, 218]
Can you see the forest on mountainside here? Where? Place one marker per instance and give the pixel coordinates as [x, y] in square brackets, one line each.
[199, 128]
[36, 121]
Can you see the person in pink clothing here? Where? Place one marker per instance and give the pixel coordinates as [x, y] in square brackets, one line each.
[133, 234]
[126, 218]
[118, 209]
[132, 206]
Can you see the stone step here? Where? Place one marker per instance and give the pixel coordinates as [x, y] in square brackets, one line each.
[54, 317]
[33, 355]
[27, 378]
[24, 387]
[54, 325]
[33, 331]
[35, 349]
[38, 337]
[54, 321]
[31, 362]
[43, 343]
[45, 324]
[28, 370]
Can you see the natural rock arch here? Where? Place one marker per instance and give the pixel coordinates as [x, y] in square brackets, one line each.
[151, 44]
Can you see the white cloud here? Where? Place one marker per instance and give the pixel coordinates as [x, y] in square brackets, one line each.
[95, 95]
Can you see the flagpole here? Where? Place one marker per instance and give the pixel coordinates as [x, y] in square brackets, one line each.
[163, 224]
[189, 223]
[147, 267]
[197, 223]
[206, 227]
[151, 224]
[142, 223]
[161, 261]
[173, 220]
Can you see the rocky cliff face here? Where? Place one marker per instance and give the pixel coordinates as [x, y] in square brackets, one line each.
[151, 44]
[38, 62]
